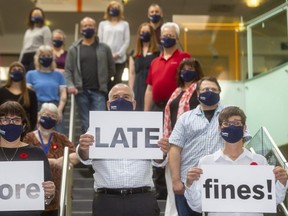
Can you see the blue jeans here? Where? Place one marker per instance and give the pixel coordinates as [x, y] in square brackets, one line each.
[89, 100]
[183, 208]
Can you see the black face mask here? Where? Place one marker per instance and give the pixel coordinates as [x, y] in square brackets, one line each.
[16, 76]
[47, 122]
[209, 98]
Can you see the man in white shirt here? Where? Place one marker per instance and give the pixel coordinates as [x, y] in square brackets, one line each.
[122, 186]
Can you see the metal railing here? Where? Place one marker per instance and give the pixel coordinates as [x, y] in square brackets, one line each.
[262, 143]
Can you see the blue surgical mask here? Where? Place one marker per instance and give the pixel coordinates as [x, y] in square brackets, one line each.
[37, 19]
[114, 12]
[188, 75]
[121, 104]
[45, 61]
[209, 98]
[88, 32]
[232, 134]
[145, 36]
[155, 18]
[47, 122]
[11, 132]
[57, 43]
[168, 42]
[16, 76]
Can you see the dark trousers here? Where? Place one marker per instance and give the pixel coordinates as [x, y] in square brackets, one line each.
[28, 61]
[118, 75]
[140, 204]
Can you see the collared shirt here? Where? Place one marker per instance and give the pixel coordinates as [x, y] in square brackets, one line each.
[196, 136]
[162, 75]
[121, 173]
[193, 194]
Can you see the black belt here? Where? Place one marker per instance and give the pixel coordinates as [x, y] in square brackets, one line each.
[124, 191]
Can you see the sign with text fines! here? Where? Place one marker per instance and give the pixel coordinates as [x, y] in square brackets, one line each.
[21, 186]
[125, 134]
[238, 188]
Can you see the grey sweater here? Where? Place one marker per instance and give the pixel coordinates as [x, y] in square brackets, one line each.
[106, 66]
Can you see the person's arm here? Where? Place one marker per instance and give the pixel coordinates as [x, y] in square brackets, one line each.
[131, 72]
[126, 40]
[47, 36]
[148, 100]
[69, 69]
[111, 63]
[174, 165]
[281, 183]
[193, 189]
[62, 100]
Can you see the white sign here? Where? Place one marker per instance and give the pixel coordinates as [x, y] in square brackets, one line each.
[21, 186]
[126, 135]
[238, 188]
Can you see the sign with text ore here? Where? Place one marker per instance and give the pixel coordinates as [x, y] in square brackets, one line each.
[21, 186]
[125, 134]
[238, 188]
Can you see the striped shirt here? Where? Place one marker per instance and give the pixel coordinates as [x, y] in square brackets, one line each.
[196, 136]
[121, 173]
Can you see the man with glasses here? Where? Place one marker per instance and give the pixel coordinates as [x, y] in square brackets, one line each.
[195, 135]
[161, 83]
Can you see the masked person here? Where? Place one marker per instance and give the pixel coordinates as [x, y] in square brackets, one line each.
[139, 62]
[161, 83]
[49, 84]
[115, 32]
[155, 16]
[89, 67]
[195, 135]
[183, 99]
[232, 123]
[37, 34]
[15, 89]
[58, 41]
[53, 144]
[113, 176]
[13, 126]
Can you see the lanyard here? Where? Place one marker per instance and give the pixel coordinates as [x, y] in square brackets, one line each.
[45, 147]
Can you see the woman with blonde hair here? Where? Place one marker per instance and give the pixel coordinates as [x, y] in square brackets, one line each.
[115, 32]
[49, 84]
[15, 89]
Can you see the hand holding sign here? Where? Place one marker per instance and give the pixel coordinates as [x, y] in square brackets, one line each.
[193, 175]
[280, 175]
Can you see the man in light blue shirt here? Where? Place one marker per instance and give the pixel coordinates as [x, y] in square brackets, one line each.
[195, 135]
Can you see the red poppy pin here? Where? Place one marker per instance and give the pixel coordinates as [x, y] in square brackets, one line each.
[23, 155]
[253, 163]
[54, 146]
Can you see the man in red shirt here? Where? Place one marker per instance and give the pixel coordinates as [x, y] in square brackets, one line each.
[161, 82]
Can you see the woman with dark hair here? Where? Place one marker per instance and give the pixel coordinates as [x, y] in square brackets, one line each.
[183, 99]
[36, 35]
[15, 90]
[13, 126]
[139, 62]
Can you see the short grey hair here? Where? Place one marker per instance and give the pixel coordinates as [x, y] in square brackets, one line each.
[171, 25]
[121, 85]
[49, 106]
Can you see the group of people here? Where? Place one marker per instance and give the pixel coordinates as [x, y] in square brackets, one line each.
[198, 130]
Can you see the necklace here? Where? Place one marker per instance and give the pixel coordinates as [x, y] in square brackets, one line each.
[6, 155]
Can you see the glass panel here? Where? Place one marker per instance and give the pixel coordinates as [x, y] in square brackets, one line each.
[270, 44]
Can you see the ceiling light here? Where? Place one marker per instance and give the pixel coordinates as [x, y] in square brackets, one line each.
[252, 3]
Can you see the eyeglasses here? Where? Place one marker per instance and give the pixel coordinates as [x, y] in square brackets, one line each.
[210, 89]
[6, 121]
[50, 115]
[235, 123]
